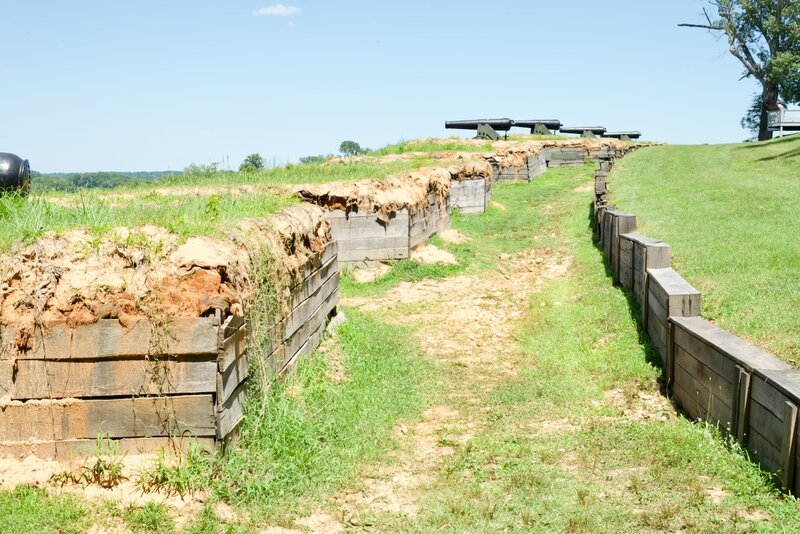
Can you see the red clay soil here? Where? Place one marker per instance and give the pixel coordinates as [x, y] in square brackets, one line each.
[132, 274]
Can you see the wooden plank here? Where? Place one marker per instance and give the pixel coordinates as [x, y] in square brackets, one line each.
[674, 293]
[709, 406]
[657, 309]
[370, 243]
[735, 348]
[708, 355]
[117, 418]
[766, 424]
[658, 336]
[354, 214]
[58, 379]
[6, 377]
[768, 396]
[763, 451]
[317, 261]
[231, 412]
[305, 309]
[301, 335]
[230, 379]
[743, 405]
[348, 233]
[231, 325]
[687, 401]
[76, 449]
[107, 338]
[232, 347]
[373, 254]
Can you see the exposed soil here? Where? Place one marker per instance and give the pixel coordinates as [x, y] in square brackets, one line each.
[467, 322]
[431, 254]
[370, 274]
[132, 274]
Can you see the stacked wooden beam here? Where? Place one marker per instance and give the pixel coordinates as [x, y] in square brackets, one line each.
[471, 196]
[714, 375]
[158, 382]
[566, 156]
[144, 385]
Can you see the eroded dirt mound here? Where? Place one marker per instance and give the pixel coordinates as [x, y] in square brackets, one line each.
[383, 197]
[130, 274]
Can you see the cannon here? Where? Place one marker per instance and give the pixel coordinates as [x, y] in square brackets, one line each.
[15, 174]
[623, 136]
[540, 126]
[486, 128]
[584, 131]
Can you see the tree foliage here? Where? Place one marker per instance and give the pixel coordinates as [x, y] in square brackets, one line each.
[351, 148]
[253, 162]
[764, 35]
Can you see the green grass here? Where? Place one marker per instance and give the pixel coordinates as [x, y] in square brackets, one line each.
[730, 214]
[197, 212]
[26, 220]
[317, 430]
[28, 509]
[600, 470]
[302, 173]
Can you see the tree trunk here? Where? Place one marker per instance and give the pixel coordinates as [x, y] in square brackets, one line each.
[770, 99]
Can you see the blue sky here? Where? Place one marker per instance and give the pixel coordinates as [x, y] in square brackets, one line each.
[155, 85]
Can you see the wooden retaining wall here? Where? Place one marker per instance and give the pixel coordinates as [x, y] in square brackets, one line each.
[471, 196]
[152, 384]
[364, 239]
[714, 375]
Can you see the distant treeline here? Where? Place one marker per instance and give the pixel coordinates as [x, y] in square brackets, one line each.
[72, 181]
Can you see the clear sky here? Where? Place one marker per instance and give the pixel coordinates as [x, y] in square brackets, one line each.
[153, 85]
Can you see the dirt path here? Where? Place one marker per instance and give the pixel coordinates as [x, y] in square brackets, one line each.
[466, 325]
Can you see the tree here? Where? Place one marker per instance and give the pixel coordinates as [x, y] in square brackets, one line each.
[351, 148]
[764, 35]
[253, 162]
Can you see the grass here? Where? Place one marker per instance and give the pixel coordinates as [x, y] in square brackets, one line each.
[28, 509]
[729, 212]
[548, 451]
[553, 454]
[187, 204]
[318, 428]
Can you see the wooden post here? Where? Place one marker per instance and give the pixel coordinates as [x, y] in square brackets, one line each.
[788, 445]
[670, 367]
[741, 416]
[646, 298]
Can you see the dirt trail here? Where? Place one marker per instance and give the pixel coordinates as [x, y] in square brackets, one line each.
[467, 325]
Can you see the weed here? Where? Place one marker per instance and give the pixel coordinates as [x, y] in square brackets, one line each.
[180, 475]
[152, 517]
[104, 471]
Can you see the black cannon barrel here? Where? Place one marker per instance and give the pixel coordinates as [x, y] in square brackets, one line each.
[15, 173]
[501, 125]
[550, 124]
[597, 130]
[619, 135]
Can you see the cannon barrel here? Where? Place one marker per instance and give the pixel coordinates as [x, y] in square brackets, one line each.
[620, 135]
[597, 130]
[502, 125]
[15, 173]
[551, 124]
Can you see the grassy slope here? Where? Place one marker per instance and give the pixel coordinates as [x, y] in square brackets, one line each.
[602, 471]
[200, 211]
[730, 213]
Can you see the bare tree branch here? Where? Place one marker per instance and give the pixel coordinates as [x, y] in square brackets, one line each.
[704, 26]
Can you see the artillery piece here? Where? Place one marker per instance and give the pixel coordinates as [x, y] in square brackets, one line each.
[15, 174]
[540, 126]
[623, 136]
[486, 128]
[584, 131]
